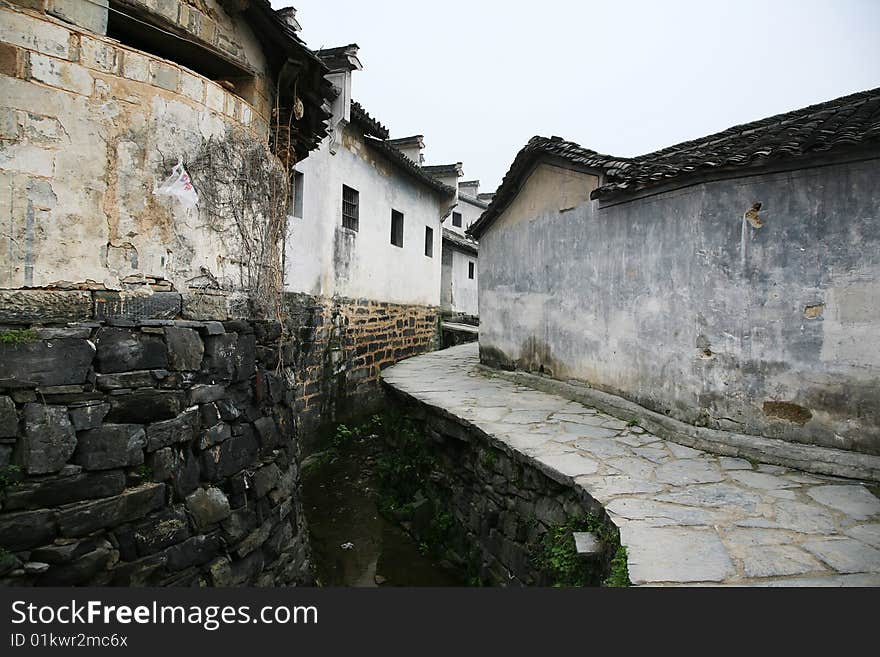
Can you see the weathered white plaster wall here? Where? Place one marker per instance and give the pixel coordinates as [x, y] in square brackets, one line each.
[463, 289]
[87, 128]
[459, 293]
[470, 212]
[323, 258]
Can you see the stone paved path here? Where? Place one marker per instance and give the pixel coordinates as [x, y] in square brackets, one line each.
[686, 516]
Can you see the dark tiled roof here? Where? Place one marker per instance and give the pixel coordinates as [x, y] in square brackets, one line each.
[836, 124]
[413, 140]
[367, 123]
[847, 121]
[473, 201]
[463, 243]
[444, 169]
[288, 15]
[537, 148]
[342, 53]
[408, 166]
[280, 42]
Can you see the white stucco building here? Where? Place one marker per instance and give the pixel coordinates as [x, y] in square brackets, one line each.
[366, 217]
[458, 287]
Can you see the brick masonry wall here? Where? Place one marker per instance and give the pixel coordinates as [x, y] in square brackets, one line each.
[165, 451]
[340, 347]
[157, 452]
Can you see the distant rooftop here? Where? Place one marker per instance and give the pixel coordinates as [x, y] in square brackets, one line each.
[444, 169]
[367, 123]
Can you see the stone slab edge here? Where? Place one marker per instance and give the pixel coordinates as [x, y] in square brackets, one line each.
[809, 458]
[467, 426]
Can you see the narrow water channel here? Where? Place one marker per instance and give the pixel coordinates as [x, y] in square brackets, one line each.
[352, 543]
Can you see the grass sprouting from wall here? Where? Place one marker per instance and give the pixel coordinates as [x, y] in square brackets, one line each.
[410, 477]
[18, 336]
[556, 557]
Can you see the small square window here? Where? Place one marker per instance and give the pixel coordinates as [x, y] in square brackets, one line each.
[397, 228]
[297, 194]
[456, 219]
[350, 203]
[429, 241]
[470, 270]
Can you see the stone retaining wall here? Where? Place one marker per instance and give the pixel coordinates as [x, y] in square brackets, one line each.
[502, 502]
[340, 347]
[157, 452]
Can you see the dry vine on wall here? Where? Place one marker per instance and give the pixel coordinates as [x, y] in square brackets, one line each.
[243, 194]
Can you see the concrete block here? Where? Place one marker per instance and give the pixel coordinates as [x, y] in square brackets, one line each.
[587, 544]
[163, 75]
[200, 306]
[135, 67]
[194, 19]
[247, 114]
[231, 105]
[91, 15]
[11, 61]
[10, 123]
[208, 29]
[98, 55]
[215, 98]
[43, 129]
[34, 34]
[61, 74]
[27, 158]
[168, 8]
[42, 306]
[192, 86]
[134, 306]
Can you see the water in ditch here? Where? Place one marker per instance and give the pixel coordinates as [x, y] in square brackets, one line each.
[352, 543]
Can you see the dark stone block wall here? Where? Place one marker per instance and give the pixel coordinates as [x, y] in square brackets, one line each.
[502, 502]
[151, 452]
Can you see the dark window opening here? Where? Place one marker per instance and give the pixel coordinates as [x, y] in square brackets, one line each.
[297, 194]
[456, 219]
[397, 228]
[429, 241]
[470, 270]
[350, 201]
[143, 30]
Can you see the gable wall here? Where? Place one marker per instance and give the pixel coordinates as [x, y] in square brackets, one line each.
[670, 302]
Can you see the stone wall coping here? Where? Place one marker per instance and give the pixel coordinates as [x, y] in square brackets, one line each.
[686, 516]
[809, 458]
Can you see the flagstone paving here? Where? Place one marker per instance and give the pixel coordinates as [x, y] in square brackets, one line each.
[687, 517]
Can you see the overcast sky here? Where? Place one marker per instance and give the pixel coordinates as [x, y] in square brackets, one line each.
[478, 78]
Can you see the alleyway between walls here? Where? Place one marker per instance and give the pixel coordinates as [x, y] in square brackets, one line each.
[685, 516]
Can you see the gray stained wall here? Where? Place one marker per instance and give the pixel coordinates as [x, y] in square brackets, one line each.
[678, 303]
